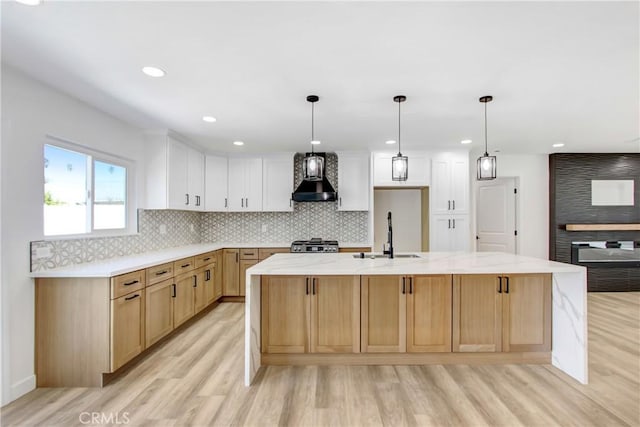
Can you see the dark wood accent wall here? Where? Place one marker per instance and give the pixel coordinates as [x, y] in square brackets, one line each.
[570, 178]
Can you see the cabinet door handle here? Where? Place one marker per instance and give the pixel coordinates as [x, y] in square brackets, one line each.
[507, 285]
[246, 203]
[207, 275]
[130, 283]
[449, 223]
[448, 205]
[453, 202]
[131, 297]
[454, 223]
[173, 290]
[195, 282]
[187, 199]
[225, 202]
[499, 284]
[306, 280]
[290, 202]
[403, 285]
[411, 285]
[237, 256]
[340, 201]
[313, 286]
[197, 200]
[242, 202]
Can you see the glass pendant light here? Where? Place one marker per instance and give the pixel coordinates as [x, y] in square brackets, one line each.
[312, 165]
[399, 163]
[487, 164]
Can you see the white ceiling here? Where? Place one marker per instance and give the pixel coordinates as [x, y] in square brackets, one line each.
[559, 72]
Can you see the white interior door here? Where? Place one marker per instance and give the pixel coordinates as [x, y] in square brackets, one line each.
[496, 215]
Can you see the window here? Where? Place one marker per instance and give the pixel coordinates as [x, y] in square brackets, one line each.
[84, 192]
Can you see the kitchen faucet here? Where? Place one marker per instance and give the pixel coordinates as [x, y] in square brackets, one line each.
[389, 238]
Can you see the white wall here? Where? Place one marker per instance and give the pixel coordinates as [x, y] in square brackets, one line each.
[406, 209]
[532, 218]
[31, 110]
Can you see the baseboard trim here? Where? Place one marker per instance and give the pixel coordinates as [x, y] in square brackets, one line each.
[22, 387]
[407, 358]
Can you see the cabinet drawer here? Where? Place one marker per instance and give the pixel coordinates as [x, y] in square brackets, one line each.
[264, 253]
[205, 259]
[159, 273]
[125, 283]
[249, 253]
[183, 265]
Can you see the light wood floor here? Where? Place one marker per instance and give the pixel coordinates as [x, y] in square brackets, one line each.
[196, 379]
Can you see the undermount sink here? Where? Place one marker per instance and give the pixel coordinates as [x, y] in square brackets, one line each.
[374, 256]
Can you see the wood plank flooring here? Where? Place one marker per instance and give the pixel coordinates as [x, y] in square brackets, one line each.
[195, 379]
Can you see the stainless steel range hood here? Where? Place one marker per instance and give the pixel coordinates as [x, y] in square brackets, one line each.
[315, 191]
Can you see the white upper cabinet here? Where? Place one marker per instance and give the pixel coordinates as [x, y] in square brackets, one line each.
[216, 170]
[419, 172]
[175, 174]
[450, 183]
[245, 184]
[277, 182]
[449, 233]
[353, 181]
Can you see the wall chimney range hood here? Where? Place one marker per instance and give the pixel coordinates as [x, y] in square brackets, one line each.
[315, 191]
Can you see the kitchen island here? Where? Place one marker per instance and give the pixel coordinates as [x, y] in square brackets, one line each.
[465, 291]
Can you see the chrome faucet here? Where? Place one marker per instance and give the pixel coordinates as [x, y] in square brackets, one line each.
[389, 238]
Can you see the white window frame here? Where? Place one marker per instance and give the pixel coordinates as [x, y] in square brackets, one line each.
[131, 219]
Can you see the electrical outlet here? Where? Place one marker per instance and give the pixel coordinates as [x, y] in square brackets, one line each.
[43, 253]
[163, 229]
[264, 228]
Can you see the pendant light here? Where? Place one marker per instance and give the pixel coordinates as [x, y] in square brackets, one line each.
[312, 165]
[399, 163]
[486, 164]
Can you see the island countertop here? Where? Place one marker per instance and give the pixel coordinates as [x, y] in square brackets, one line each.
[569, 292]
[425, 263]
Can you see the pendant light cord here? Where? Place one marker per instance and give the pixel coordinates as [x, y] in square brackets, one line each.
[486, 152]
[312, 139]
[399, 150]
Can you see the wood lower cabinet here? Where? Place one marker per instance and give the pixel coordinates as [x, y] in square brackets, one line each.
[384, 314]
[493, 313]
[303, 314]
[218, 277]
[406, 314]
[230, 272]
[429, 314]
[244, 264]
[183, 298]
[127, 328]
[158, 311]
[200, 290]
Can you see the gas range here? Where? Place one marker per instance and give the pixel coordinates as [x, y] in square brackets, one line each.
[314, 246]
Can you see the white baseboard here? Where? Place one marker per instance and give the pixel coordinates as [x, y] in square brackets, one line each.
[22, 387]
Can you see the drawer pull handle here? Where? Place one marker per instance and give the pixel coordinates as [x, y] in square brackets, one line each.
[130, 283]
[160, 273]
[249, 253]
[207, 259]
[185, 265]
[131, 297]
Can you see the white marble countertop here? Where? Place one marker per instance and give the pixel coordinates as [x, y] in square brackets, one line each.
[427, 263]
[115, 266]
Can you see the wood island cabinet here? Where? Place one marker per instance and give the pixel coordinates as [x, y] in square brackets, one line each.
[493, 313]
[318, 314]
[406, 314]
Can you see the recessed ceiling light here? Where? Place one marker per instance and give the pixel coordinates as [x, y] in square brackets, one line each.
[153, 71]
[558, 145]
[315, 142]
[209, 119]
[466, 141]
[30, 2]
[238, 143]
[390, 142]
